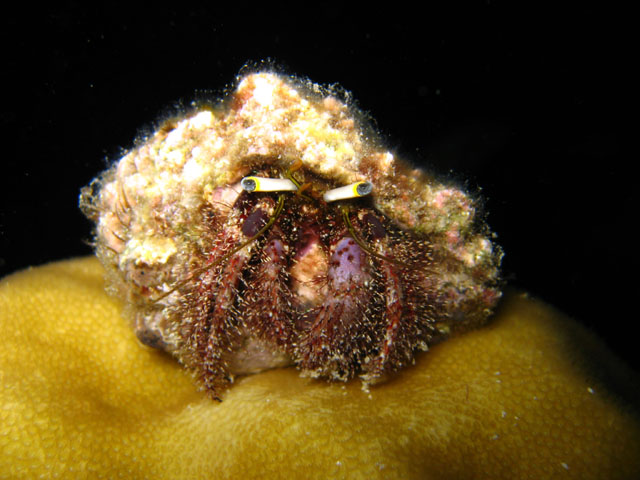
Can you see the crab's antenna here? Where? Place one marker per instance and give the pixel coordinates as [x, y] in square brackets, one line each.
[352, 231]
[300, 186]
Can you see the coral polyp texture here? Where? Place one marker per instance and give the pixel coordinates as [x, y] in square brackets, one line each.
[274, 229]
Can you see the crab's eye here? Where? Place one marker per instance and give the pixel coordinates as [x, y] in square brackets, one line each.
[254, 222]
[354, 190]
[377, 229]
[264, 184]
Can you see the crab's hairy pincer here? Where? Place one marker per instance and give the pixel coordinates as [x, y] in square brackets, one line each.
[274, 230]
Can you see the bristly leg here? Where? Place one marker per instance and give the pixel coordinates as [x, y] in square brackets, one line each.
[402, 266]
[342, 330]
[210, 322]
[266, 309]
[210, 325]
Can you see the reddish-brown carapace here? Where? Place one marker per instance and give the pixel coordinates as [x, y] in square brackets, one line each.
[273, 231]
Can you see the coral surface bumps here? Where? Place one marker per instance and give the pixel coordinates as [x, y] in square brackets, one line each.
[531, 395]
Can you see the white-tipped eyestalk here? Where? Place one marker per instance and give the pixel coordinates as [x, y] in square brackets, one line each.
[355, 190]
[265, 184]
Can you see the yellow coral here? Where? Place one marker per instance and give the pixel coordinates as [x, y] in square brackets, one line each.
[531, 395]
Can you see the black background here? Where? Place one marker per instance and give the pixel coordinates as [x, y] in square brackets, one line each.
[526, 104]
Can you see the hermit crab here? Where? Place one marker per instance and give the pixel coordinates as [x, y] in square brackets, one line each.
[274, 229]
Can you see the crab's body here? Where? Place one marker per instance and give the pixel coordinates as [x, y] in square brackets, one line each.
[231, 281]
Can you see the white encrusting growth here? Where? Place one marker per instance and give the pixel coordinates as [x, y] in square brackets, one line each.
[354, 190]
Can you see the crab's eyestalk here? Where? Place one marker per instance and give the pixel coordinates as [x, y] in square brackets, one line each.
[347, 222]
[265, 184]
[354, 190]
